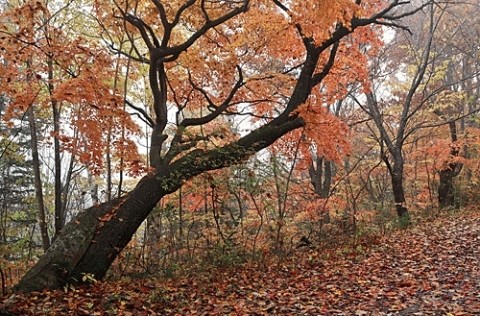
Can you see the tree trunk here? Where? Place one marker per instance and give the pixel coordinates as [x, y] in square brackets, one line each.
[446, 190]
[396, 175]
[320, 171]
[321, 176]
[38, 180]
[59, 215]
[91, 242]
[58, 202]
[399, 196]
[109, 165]
[446, 196]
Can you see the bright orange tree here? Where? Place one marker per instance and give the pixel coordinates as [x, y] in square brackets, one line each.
[207, 61]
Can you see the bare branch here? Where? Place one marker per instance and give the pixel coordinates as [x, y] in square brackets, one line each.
[171, 53]
[218, 109]
[146, 118]
[142, 28]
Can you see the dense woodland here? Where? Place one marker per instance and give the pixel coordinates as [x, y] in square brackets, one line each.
[158, 137]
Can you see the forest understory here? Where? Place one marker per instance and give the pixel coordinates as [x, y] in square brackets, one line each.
[430, 268]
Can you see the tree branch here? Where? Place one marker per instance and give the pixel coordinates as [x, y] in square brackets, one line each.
[143, 113]
[218, 109]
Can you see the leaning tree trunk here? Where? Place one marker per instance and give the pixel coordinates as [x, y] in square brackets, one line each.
[90, 243]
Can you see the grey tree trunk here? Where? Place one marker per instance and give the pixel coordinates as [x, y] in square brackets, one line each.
[38, 180]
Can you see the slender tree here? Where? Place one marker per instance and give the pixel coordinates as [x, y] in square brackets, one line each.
[38, 179]
[393, 135]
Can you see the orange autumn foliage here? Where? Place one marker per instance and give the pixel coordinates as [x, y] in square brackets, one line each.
[45, 66]
[261, 56]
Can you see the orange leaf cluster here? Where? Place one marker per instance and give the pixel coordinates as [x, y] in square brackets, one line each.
[329, 133]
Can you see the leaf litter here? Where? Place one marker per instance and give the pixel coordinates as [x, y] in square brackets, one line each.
[432, 268]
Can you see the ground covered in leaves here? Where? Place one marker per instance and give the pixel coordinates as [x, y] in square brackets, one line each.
[430, 269]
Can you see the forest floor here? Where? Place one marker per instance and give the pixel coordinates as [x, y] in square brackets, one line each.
[432, 268]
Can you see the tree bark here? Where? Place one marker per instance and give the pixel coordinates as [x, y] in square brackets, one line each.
[59, 209]
[446, 195]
